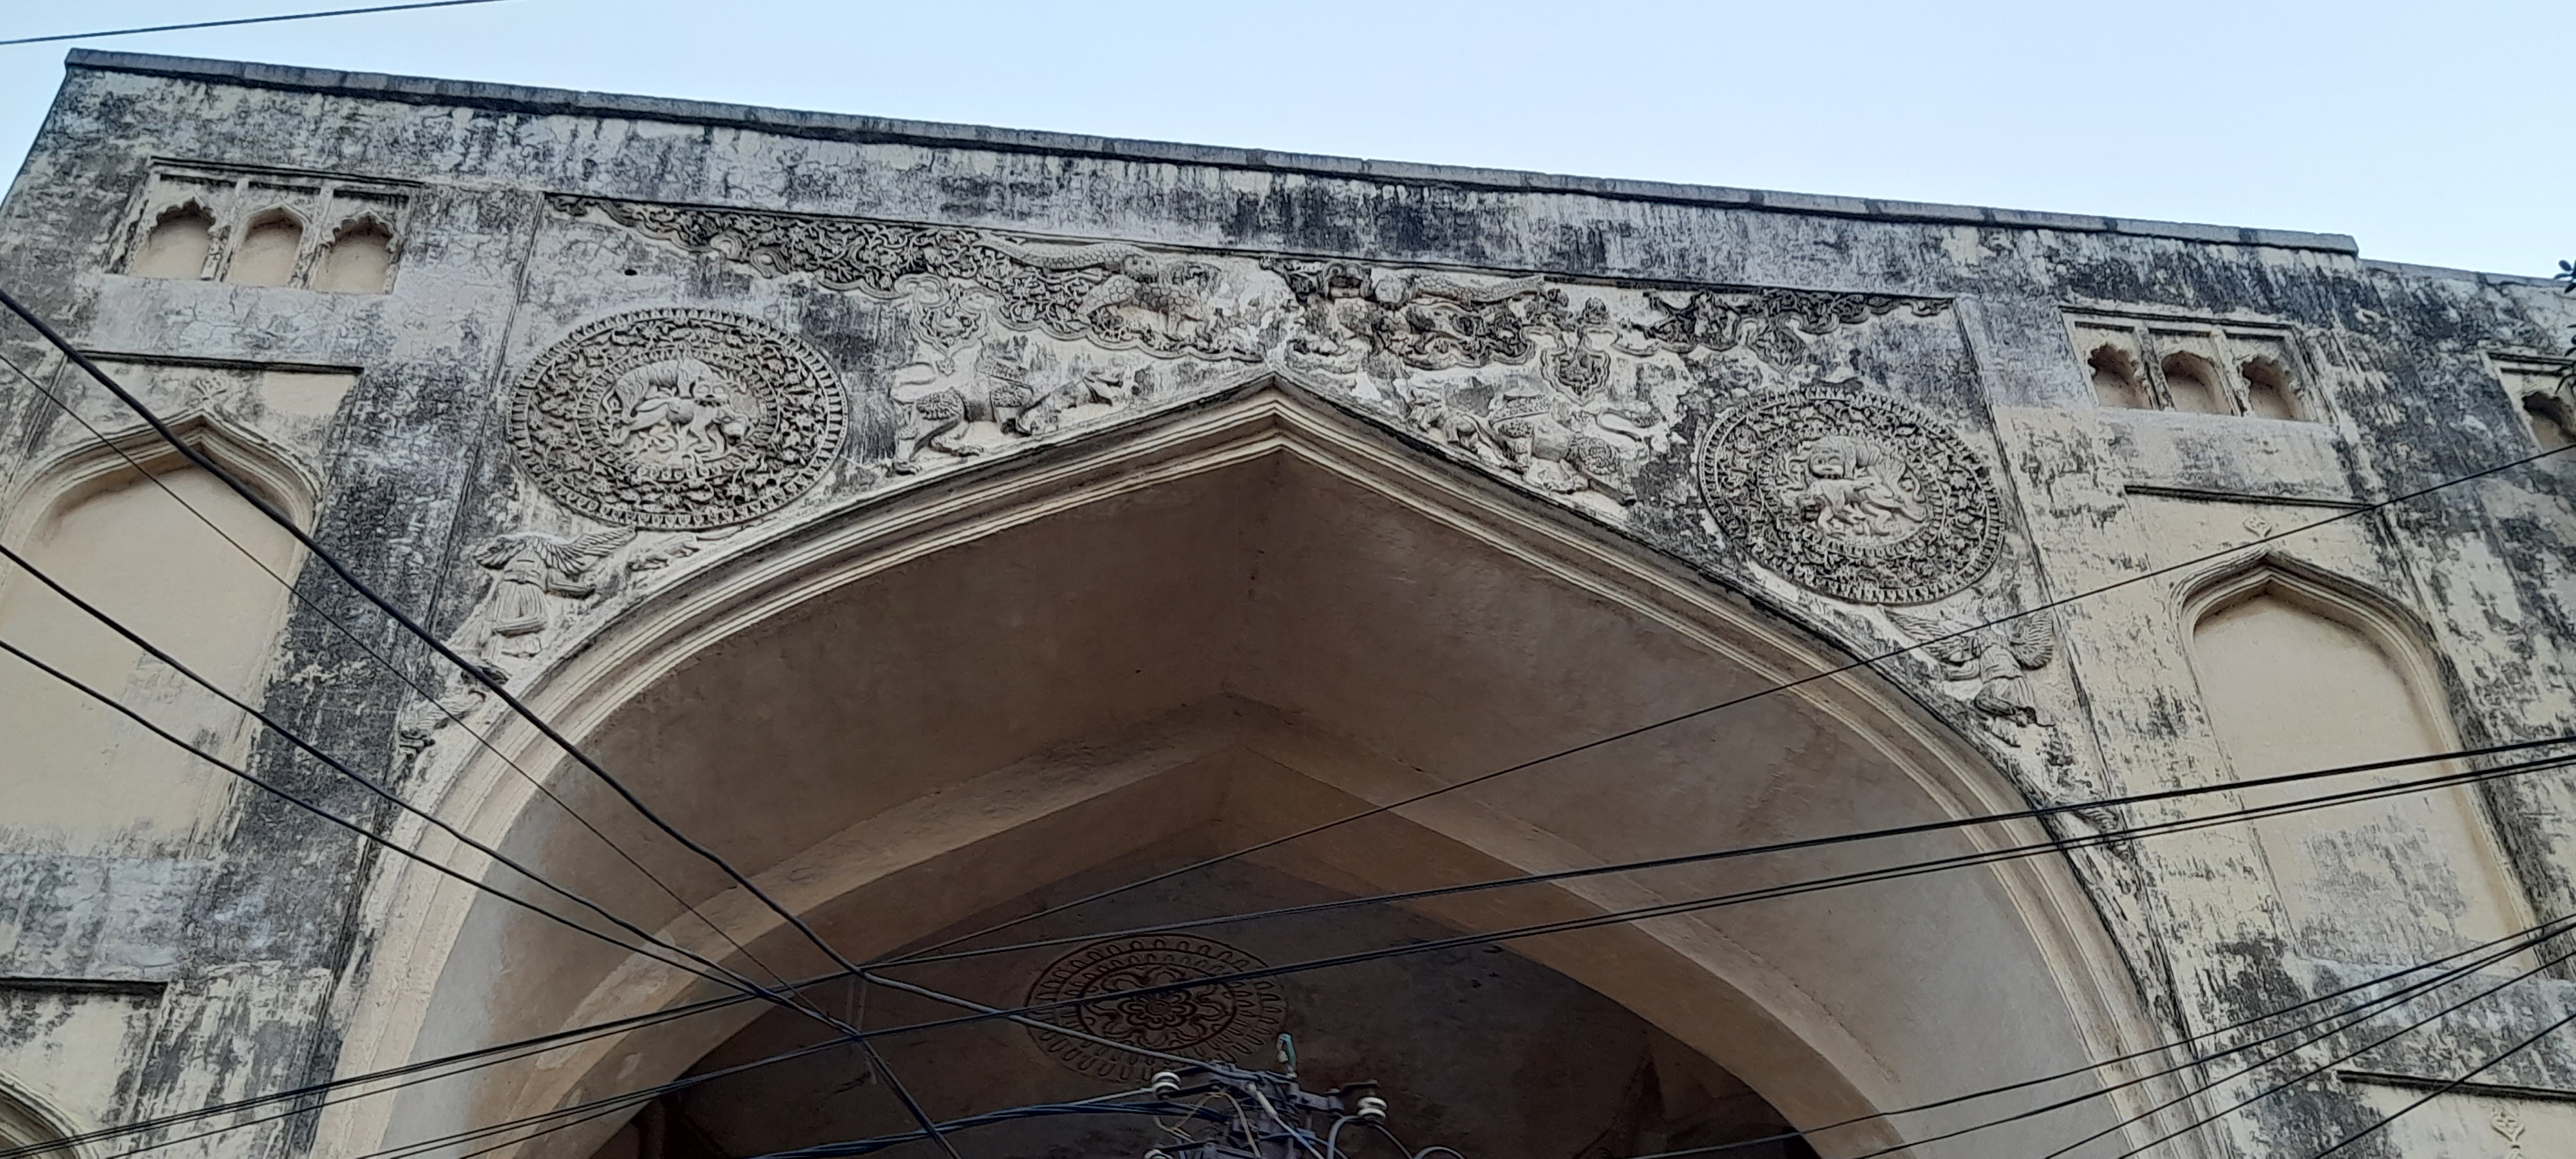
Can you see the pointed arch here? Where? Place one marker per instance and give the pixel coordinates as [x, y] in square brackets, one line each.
[179, 245]
[28, 1119]
[1225, 620]
[248, 455]
[358, 258]
[2301, 668]
[270, 251]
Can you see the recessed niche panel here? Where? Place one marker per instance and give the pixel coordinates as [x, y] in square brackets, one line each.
[263, 228]
[2194, 367]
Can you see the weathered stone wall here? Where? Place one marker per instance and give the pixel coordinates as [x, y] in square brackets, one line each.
[1875, 420]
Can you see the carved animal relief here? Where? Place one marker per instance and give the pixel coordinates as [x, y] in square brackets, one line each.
[1230, 1020]
[677, 419]
[1851, 493]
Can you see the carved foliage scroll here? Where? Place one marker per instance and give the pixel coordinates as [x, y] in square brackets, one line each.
[1116, 295]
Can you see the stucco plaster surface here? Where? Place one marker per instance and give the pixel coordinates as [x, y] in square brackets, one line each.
[941, 520]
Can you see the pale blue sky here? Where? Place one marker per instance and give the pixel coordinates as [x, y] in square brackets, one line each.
[2437, 133]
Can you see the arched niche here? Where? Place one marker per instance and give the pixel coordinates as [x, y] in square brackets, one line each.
[359, 258]
[180, 242]
[2269, 390]
[2117, 380]
[2299, 670]
[28, 1119]
[269, 251]
[100, 521]
[2194, 385]
[1225, 623]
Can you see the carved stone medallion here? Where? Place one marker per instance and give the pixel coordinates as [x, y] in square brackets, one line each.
[1226, 1021]
[677, 420]
[1851, 493]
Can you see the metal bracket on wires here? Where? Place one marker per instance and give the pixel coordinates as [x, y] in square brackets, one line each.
[1270, 1115]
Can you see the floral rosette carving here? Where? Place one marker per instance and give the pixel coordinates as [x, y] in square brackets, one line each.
[677, 419]
[1851, 493]
[1222, 1021]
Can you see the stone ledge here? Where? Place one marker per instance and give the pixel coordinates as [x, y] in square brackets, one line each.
[847, 127]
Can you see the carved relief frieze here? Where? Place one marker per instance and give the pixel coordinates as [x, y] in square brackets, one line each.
[1116, 295]
[538, 588]
[1568, 386]
[1228, 1020]
[677, 419]
[1989, 657]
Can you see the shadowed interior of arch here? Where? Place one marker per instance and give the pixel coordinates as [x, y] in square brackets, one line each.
[1063, 699]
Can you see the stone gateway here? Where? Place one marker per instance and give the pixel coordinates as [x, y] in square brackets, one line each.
[1614, 668]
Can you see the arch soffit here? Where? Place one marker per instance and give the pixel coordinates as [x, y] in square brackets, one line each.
[1268, 414]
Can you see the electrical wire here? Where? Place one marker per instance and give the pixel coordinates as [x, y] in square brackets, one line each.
[911, 1106]
[1944, 825]
[307, 806]
[215, 470]
[578, 1110]
[1870, 661]
[2498, 947]
[494, 686]
[473, 672]
[412, 1074]
[379, 790]
[584, 759]
[791, 999]
[2168, 795]
[2450, 1086]
[2355, 1017]
[1669, 909]
[2321, 1068]
[1675, 908]
[2335, 1023]
[370, 651]
[988, 1118]
[2480, 957]
[242, 20]
[581, 1112]
[721, 975]
[724, 976]
[738, 980]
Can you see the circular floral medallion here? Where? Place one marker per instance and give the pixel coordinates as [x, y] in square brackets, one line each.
[677, 420]
[1851, 493]
[1224, 1021]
